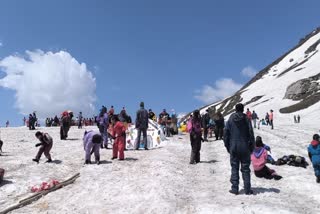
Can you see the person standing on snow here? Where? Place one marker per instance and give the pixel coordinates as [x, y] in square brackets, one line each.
[219, 125]
[103, 124]
[195, 130]
[45, 146]
[271, 118]
[125, 120]
[249, 115]
[314, 155]
[91, 143]
[205, 124]
[254, 118]
[239, 142]
[162, 120]
[267, 119]
[118, 134]
[65, 125]
[142, 122]
[80, 120]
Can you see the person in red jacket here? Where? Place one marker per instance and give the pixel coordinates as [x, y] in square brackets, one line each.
[249, 115]
[118, 133]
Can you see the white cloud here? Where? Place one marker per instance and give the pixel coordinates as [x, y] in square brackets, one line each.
[249, 72]
[49, 83]
[1, 44]
[222, 89]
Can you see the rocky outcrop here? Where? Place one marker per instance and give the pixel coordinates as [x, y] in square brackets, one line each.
[305, 103]
[303, 88]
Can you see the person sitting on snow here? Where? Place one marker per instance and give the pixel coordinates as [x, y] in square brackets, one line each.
[92, 141]
[314, 155]
[259, 160]
[266, 147]
[45, 146]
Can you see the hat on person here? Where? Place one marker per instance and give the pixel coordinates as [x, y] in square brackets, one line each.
[141, 104]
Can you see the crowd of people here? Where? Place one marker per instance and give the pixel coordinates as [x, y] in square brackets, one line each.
[237, 134]
[243, 147]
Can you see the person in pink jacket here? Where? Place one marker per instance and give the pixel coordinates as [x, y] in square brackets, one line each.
[259, 160]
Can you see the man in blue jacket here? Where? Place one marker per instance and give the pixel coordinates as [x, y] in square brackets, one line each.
[239, 142]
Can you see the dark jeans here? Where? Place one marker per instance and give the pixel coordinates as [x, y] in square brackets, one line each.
[46, 150]
[205, 133]
[64, 132]
[271, 124]
[244, 161]
[144, 132]
[265, 172]
[195, 148]
[218, 133]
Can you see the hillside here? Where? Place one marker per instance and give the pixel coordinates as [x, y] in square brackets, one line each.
[288, 85]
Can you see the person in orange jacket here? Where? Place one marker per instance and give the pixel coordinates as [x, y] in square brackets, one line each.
[118, 134]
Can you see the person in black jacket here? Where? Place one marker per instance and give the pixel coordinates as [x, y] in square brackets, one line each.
[219, 125]
[195, 130]
[239, 141]
[142, 122]
[205, 124]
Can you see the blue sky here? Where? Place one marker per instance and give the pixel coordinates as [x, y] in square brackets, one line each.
[169, 54]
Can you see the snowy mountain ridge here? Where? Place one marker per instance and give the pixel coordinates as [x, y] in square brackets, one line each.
[291, 84]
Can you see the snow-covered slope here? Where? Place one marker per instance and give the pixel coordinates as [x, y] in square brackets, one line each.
[291, 84]
[160, 180]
